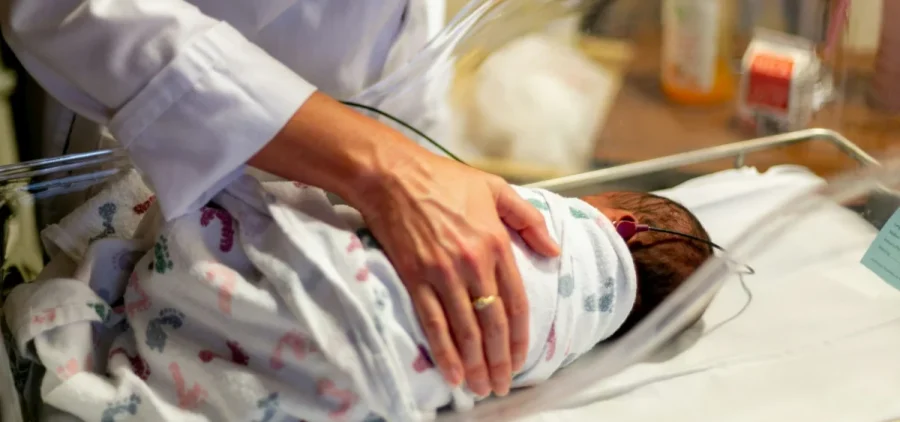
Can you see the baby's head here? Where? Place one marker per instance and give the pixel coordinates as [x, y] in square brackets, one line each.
[663, 261]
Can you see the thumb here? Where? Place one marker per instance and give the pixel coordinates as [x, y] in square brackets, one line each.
[525, 219]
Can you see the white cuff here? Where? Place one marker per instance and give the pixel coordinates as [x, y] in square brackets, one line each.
[194, 126]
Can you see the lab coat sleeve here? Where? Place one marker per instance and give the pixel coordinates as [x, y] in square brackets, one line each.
[189, 97]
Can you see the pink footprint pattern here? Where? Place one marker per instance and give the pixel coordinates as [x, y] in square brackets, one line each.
[223, 279]
[551, 343]
[362, 274]
[355, 244]
[296, 344]
[187, 398]
[46, 316]
[142, 303]
[344, 399]
[72, 367]
[226, 240]
[69, 369]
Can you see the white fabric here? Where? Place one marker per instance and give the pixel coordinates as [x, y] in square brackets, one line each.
[9, 397]
[817, 342]
[115, 212]
[278, 295]
[193, 88]
[580, 298]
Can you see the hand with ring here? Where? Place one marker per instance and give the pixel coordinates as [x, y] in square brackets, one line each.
[445, 228]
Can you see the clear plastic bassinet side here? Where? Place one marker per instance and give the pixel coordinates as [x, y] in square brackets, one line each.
[33, 195]
[839, 226]
[441, 90]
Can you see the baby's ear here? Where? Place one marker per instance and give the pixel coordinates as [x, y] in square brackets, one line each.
[615, 215]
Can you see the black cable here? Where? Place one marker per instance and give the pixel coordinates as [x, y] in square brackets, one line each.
[404, 124]
[748, 270]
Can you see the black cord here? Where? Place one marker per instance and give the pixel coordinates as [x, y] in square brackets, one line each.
[404, 124]
[748, 270]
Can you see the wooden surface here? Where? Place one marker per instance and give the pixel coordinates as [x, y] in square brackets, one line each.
[644, 125]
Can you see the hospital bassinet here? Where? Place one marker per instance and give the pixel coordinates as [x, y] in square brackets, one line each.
[598, 380]
[832, 336]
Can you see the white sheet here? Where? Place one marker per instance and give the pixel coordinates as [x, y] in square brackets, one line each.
[819, 341]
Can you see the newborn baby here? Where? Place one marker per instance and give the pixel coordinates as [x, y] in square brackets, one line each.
[652, 264]
[273, 305]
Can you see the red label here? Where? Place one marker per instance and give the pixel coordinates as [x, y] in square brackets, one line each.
[769, 82]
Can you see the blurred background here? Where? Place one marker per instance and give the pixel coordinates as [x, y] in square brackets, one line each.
[537, 89]
[547, 89]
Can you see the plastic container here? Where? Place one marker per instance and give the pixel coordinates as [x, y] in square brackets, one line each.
[696, 51]
[511, 87]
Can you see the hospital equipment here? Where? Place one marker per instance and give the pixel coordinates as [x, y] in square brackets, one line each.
[810, 330]
[789, 349]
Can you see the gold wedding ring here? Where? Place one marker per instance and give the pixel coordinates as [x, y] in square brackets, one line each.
[483, 302]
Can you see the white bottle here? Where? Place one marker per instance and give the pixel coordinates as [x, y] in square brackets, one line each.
[694, 67]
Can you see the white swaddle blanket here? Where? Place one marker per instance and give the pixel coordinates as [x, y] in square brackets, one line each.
[271, 307]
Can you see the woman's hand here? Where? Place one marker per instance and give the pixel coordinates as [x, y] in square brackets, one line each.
[442, 225]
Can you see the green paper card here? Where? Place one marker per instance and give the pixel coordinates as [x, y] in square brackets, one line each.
[883, 256]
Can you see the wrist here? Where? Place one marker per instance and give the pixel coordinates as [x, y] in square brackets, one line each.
[328, 145]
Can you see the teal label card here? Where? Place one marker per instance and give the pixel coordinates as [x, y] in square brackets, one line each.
[883, 256]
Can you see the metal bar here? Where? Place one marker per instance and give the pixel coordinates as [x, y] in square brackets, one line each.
[577, 181]
[63, 167]
[20, 170]
[591, 178]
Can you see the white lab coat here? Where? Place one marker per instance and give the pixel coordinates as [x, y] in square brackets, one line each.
[192, 89]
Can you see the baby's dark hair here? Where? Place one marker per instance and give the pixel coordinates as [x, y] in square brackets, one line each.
[663, 261]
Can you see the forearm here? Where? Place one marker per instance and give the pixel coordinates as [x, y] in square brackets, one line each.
[331, 146]
[188, 97]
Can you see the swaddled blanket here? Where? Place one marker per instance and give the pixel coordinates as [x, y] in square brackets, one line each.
[268, 306]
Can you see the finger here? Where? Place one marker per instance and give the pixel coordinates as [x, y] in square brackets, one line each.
[495, 330]
[492, 318]
[522, 217]
[431, 317]
[464, 325]
[515, 301]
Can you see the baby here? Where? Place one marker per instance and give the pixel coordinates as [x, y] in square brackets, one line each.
[662, 261]
[273, 304]
[604, 305]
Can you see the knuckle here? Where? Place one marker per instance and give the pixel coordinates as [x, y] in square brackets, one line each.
[516, 346]
[500, 368]
[498, 242]
[517, 309]
[480, 254]
[439, 270]
[442, 356]
[434, 325]
[495, 329]
[469, 339]
[472, 255]
[477, 370]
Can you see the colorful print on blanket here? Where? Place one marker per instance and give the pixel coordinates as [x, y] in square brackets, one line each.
[228, 316]
[272, 306]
